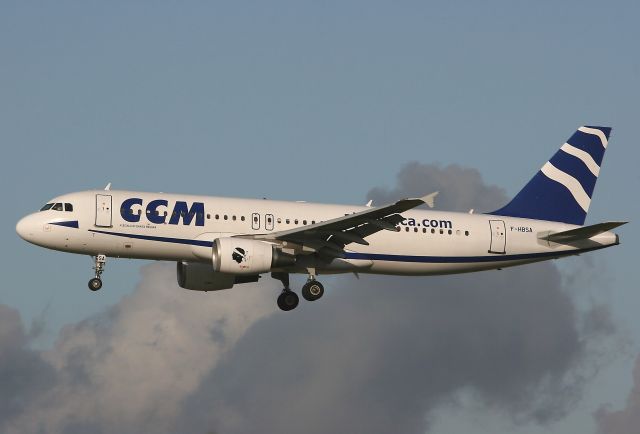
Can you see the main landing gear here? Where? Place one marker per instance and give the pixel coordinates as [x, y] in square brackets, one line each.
[96, 283]
[288, 300]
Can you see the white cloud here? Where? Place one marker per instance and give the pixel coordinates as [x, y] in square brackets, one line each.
[130, 367]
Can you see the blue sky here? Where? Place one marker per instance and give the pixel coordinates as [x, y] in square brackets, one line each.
[300, 100]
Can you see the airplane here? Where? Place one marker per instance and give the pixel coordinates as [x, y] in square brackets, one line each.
[220, 242]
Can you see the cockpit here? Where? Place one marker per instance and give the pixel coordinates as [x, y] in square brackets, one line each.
[57, 206]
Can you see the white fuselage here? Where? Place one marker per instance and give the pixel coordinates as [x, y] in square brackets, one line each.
[122, 224]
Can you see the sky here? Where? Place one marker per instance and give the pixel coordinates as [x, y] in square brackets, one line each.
[335, 102]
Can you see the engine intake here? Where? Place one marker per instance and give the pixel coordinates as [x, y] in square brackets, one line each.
[243, 256]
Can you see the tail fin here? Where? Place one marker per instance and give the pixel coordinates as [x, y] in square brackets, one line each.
[561, 191]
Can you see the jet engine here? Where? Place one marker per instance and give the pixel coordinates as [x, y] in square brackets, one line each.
[244, 256]
[201, 277]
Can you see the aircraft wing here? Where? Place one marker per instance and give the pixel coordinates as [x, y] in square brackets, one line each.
[330, 237]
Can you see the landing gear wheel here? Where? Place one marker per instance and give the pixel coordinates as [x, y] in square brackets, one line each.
[288, 300]
[312, 290]
[95, 284]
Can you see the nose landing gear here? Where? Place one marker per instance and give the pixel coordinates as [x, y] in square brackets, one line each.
[96, 283]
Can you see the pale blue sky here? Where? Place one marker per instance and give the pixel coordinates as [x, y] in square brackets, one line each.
[318, 101]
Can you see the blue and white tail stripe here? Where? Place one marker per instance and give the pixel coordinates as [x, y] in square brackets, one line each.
[562, 189]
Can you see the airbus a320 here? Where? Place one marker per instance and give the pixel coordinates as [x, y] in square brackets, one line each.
[221, 242]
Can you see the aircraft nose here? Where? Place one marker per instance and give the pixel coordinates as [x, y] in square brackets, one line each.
[26, 228]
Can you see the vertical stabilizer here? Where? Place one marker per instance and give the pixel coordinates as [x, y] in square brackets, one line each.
[561, 190]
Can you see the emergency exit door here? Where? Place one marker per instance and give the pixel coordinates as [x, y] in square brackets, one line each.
[103, 210]
[498, 236]
[255, 221]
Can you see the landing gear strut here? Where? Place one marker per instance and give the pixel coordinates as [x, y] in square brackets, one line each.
[96, 283]
[287, 300]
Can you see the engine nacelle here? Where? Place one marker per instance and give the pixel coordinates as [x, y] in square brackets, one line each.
[201, 277]
[244, 256]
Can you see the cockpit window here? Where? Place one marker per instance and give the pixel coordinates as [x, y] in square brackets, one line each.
[57, 207]
[46, 207]
[68, 207]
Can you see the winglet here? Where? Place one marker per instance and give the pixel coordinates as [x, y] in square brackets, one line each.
[108, 187]
[430, 199]
[368, 205]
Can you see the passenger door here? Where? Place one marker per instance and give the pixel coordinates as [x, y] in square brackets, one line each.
[498, 237]
[103, 210]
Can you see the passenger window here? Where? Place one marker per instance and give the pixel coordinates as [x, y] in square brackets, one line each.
[57, 207]
[46, 207]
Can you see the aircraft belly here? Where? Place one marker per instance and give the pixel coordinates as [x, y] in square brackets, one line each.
[439, 268]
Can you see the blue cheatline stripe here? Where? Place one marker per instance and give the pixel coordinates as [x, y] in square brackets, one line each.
[379, 256]
[464, 259]
[69, 224]
[161, 239]
[589, 143]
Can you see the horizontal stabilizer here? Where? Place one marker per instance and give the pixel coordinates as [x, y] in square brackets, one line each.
[582, 233]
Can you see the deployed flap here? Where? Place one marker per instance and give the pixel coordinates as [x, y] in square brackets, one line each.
[582, 233]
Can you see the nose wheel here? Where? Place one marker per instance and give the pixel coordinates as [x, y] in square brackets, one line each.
[96, 283]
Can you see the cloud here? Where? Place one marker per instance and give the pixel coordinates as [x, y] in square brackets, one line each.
[127, 369]
[381, 354]
[461, 188]
[378, 354]
[627, 420]
[23, 372]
